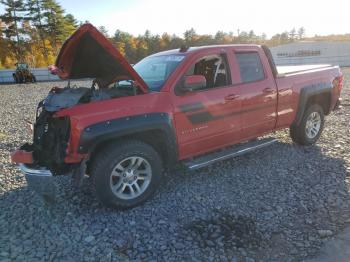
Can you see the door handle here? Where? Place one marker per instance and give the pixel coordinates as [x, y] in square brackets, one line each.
[231, 97]
[268, 90]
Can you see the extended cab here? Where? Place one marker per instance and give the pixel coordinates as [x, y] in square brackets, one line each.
[190, 105]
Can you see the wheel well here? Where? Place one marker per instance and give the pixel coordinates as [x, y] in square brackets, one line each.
[154, 138]
[323, 99]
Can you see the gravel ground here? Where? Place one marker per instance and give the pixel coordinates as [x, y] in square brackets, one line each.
[277, 204]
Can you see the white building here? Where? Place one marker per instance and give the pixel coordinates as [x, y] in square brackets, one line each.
[335, 53]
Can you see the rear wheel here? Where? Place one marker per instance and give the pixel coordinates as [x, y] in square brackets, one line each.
[126, 174]
[310, 128]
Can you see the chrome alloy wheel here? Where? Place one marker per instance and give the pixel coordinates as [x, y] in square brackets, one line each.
[130, 177]
[313, 125]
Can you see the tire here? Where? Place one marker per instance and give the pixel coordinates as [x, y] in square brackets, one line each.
[302, 134]
[117, 166]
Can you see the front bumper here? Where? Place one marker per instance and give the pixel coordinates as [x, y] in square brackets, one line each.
[40, 180]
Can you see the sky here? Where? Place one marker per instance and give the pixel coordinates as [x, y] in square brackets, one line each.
[209, 16]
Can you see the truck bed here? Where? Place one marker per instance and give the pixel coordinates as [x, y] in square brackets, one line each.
[286, 70]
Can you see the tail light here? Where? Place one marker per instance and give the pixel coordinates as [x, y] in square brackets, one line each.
[338, 83]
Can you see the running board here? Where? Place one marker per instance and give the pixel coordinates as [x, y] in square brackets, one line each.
[234, 151]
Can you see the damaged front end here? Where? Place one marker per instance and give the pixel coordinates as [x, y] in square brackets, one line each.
[45, 157]
[87, 54]
[50, 141]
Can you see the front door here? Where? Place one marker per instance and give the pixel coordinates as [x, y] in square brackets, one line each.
[209, 118]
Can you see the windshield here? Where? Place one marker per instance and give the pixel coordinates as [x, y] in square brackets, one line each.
[156, 70]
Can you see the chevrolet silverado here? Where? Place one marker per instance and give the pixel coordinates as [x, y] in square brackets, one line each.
[191, 105]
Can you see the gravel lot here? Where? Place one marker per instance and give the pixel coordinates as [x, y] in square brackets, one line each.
[277, 204]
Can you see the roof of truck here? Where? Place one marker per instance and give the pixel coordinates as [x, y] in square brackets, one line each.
[197, 48]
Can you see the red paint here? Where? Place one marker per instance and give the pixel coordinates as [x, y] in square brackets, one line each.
[21, 156]
[257, 108]
[250, 110]
[195, 80]
[66, 59]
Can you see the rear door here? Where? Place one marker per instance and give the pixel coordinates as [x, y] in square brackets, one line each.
[258, 92]
[207, 119]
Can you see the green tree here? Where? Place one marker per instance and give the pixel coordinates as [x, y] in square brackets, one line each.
[292, 34]
[190, 36]
[207, 40]
[176, 42]
[59, 25]
[219, 36]
[12, 18]
[141, 48]
[251, 35]
[164, 41]
[71, 24]
[35, 9]
[242, 38]
[128, 43]
[301, 33]
[103, 30]
[3, 45]
[285, 38]
[154, 44]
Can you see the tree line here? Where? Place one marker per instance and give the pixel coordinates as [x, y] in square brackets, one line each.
[135, 48]
[33, 31]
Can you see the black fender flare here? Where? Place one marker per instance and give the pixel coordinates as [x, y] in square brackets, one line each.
[101, 132]
[306, 93]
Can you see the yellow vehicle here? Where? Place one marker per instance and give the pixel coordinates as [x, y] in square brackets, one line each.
[23, 74]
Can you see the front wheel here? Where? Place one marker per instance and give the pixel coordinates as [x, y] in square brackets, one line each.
[126, 174]
[310, 128]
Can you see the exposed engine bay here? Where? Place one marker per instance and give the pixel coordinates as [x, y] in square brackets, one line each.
[60, 98]
[51, 134]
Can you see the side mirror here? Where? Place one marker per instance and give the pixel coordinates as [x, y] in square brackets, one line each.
[194, 82]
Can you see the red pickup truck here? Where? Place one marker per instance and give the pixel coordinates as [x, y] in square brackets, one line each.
[190, 105]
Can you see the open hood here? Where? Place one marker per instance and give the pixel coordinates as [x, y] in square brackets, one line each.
[88, 54]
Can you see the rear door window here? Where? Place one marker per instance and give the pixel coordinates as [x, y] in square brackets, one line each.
[250, 66]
